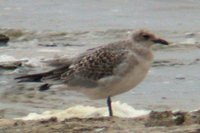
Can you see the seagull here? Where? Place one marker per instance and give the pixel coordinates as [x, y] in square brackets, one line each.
[104, 71]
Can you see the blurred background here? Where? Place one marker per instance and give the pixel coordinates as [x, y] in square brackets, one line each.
[34, 31]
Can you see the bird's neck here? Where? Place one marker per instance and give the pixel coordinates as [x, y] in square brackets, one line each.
[143, 51]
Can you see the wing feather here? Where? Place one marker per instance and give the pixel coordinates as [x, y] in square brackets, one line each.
[94, 66]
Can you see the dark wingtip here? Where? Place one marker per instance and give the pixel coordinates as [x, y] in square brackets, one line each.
[29, 78]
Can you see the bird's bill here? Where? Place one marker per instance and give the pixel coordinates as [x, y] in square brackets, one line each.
[161, 41]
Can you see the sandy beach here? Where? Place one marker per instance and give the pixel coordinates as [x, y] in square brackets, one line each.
[155, 122]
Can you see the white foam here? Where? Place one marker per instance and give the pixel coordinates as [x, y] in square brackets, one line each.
[6, 58]
[189, 41]
[33, 62]
[119, 109]
[49, 50]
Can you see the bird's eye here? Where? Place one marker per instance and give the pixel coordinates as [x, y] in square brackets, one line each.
[146, 37]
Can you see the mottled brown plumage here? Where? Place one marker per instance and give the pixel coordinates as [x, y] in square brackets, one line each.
[107, 70]
[96, 65]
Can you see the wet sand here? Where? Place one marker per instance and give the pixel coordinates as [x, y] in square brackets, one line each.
[155, 122]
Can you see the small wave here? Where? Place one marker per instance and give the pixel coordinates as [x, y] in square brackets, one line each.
[30, 62]
[49, 50]
[25, 35]
[6, 58]
[83, 38]
[80, 111]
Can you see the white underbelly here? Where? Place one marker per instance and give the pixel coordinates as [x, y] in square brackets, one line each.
[125, 83]
[131, 80]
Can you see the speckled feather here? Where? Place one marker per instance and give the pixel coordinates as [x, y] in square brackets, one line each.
[96, 65]
[106, 70]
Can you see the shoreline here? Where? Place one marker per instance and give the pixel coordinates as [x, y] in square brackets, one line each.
[159, 122]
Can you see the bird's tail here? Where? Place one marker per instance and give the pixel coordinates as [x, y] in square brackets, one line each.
[54, 74]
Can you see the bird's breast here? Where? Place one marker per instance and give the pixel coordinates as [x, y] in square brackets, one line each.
[130, 80]
[119, 84]
[125, 77]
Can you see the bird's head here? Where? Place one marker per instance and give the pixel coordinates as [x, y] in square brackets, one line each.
[147, 39]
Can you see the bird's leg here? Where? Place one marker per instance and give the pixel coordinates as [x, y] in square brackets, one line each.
[109, 103]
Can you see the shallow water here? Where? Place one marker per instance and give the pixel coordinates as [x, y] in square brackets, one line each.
[49, 29]
[84, 15]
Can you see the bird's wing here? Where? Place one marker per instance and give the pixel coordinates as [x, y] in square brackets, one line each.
[62, 65]
[88, 68]
[53, 75]
[94, 66]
